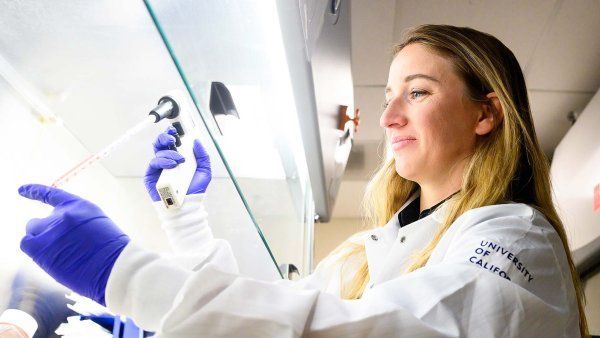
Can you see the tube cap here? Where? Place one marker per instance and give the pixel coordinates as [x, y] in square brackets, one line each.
[21, 319]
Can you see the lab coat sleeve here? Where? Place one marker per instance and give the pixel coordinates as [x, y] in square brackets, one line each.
[142, 285]
[451, 298]
[191, 238]
[193, 245]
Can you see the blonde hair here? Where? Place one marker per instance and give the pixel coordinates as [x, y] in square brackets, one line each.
[507, 164]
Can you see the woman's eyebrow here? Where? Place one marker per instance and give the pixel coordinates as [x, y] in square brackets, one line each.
[412, 77]
[415, 76]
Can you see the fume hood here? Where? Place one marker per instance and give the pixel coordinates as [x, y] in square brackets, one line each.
[76, 76]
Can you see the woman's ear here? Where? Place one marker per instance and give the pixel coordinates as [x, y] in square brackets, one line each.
[491, 115]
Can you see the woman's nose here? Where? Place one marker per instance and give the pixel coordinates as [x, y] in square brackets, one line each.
[392, 115]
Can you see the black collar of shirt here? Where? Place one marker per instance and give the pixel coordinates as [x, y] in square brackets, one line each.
[411, 212]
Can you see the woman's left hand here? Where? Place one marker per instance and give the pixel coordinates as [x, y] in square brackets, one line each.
[166, 158]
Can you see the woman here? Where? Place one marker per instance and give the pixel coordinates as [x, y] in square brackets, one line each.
[465, 239]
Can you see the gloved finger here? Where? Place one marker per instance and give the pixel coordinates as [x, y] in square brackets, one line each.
[171, 130]
[36, 226]
[200, 153]
[172, 155]
[162, 163]
[28, 245]
[45, 194]
[165, 140]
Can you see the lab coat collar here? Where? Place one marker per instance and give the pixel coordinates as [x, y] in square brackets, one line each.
[388, 248]
[384, 237]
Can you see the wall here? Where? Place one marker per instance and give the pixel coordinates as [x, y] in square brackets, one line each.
[575, 173]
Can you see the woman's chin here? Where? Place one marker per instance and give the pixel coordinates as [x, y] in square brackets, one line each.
[406, 172]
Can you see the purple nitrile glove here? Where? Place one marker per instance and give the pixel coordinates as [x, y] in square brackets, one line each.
[165, 158]
[77, 244]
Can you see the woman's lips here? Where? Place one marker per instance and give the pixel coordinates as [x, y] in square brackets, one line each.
[400, 142]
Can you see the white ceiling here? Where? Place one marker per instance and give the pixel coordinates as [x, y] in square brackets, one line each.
[556, 42]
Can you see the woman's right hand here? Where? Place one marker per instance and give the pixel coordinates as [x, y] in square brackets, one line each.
[166, 158]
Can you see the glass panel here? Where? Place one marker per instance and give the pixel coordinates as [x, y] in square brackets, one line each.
[73, 78]
[239, 44]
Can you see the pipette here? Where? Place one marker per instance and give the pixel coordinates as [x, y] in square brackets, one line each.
[102, 153]
[164, 109]
[173, 184]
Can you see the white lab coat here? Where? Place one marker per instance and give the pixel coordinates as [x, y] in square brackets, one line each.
[463, 291]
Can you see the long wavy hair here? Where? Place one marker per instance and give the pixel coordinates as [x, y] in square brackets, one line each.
[507, 164]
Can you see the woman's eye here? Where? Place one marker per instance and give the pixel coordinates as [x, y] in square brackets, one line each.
[385, 105]
[415, 94]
